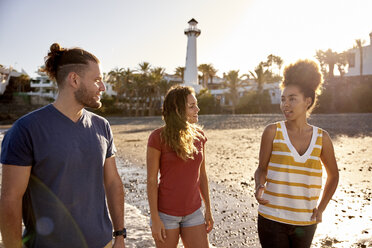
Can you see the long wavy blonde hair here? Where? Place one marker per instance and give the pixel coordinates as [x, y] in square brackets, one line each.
[178, 133]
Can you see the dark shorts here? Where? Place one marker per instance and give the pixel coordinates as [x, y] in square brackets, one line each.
[274, 234]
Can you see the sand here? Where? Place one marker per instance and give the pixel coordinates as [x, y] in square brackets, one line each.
[232, 157]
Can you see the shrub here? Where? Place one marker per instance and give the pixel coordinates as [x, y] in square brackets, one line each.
[108, 106]
[254, 102]
[207, 103]
[362, 97]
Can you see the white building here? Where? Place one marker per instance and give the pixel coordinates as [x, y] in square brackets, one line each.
[220, 94]
[109, 90]
[5, 75]
[215, 82]
[43, 88]
[173, 78]
[191, 68]
[273, 89]
[109, 87]
[354, 60]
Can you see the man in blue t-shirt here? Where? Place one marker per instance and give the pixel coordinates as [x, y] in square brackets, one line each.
[59, 165]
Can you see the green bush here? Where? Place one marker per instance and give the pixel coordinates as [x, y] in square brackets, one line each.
[325, 102]
[108, 106]
[345, 97]
[254, 102]
[362, 98]
[207, 103]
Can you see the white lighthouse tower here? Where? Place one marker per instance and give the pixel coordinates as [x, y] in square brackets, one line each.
[191, 68]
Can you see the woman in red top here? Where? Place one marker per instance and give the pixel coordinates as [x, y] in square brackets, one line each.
[177, 151]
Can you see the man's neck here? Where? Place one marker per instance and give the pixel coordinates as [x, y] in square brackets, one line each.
[69, 108]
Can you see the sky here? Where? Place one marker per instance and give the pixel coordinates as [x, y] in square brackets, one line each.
[235, 34]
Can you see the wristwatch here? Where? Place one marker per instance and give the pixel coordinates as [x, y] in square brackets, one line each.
[122, 232]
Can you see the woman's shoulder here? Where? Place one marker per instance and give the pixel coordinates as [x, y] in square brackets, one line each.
[155, 138]
[320, 130]
[323, 133]
[270, 131]
[272, 127]
[157, 130]
[156, 133]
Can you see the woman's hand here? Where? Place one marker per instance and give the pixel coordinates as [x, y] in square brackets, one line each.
[208, 220]
[158, 230]
[258, 194]
[317, 215]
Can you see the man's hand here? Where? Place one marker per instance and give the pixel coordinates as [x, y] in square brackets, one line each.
[119, 242]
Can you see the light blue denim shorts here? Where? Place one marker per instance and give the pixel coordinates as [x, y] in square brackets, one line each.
[174, 222]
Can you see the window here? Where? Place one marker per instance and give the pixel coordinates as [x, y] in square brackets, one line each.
[351, 59]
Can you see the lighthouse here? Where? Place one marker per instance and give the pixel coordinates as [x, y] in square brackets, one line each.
[191, 68]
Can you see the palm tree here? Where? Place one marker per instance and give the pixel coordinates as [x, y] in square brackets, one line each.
[208, 72]
[329, 58]
[22, 83]
[319, 55]
[212, 72]
[359, 44]
[164, 86]
[260, 75]
[144, 68]
[279, 62]
[140, 85]
[156, 78]
[128, 77]
[204, 69]
[116, 79]
[233, 83]
[341, 63]
[273, 60]
[180, 72]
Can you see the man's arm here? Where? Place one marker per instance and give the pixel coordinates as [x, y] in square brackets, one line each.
[115, 197]
[14, 184]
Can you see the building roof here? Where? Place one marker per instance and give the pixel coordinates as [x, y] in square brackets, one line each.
[193, 20]
[12, 72]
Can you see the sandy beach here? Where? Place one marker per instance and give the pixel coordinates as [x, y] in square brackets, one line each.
[232, 157]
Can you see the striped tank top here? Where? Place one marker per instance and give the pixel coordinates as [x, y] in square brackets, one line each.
[293, 182]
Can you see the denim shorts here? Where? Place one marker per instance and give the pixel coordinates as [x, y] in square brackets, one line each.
[174, 222]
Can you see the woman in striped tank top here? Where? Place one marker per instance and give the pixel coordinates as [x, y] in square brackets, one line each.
[289, 175]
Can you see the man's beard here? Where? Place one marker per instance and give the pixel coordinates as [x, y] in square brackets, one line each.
[82, 97]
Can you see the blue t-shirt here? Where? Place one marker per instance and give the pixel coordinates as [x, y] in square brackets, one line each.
[64, 204]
